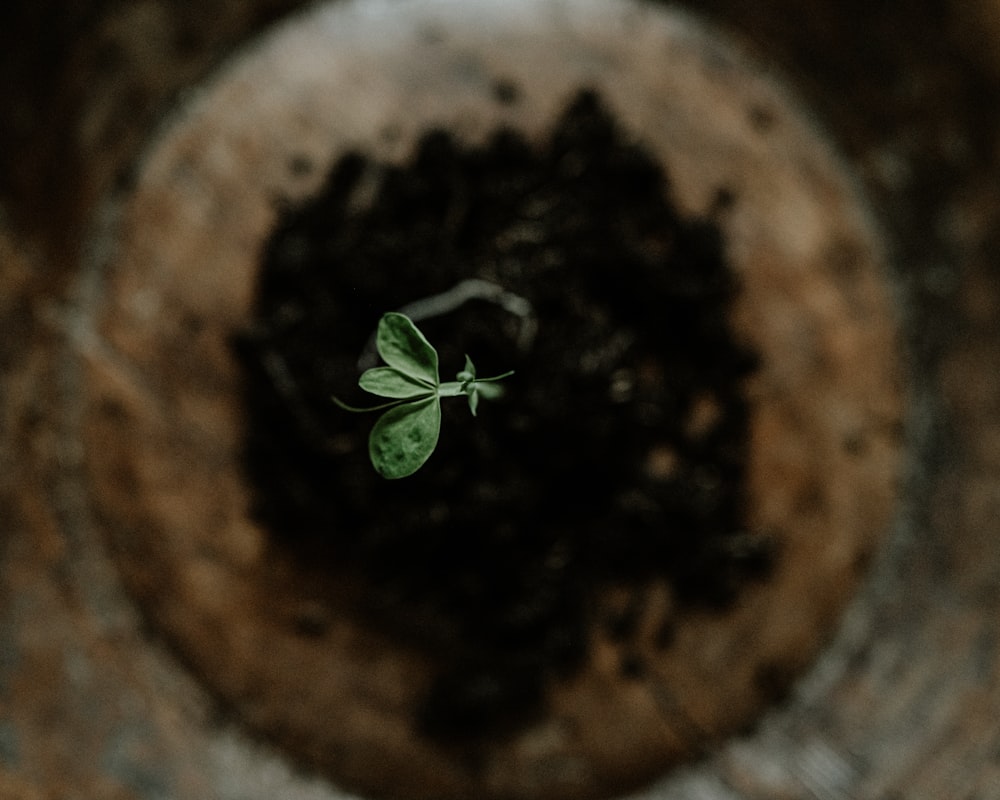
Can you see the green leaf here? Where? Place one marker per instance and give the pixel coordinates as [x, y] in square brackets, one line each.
[356, 410]
[404, 437]
[389, 382]
[406, 349]
[469, 373]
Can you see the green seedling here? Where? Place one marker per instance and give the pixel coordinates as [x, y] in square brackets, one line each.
[407, 433]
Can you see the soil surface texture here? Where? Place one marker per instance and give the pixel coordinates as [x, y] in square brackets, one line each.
[615, 458]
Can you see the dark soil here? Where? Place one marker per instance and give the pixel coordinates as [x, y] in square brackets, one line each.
[615, 459]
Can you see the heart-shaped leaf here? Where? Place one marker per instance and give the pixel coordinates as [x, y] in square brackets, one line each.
[404, 437]
[403, 347]
[390, 382]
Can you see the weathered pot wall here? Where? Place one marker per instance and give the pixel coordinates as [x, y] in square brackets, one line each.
[906, 700]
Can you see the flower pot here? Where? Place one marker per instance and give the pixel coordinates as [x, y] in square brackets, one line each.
[195, 646]
[271, 624]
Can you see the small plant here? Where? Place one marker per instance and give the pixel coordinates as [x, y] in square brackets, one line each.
[407, 433]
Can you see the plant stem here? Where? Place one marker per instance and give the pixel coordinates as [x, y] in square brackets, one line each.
[437, 305]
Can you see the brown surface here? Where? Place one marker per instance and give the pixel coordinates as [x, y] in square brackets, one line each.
[905, 701]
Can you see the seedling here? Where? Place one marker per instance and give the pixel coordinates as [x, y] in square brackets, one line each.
[407, 433]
